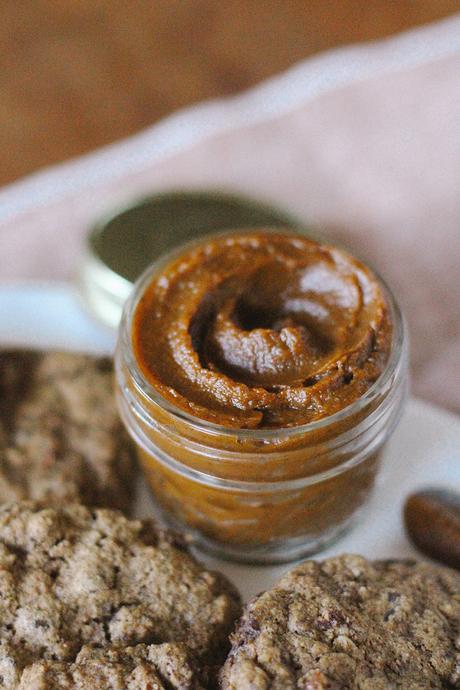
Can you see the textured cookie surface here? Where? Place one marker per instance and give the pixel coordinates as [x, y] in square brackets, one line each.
[350, 624]
[61, 439]
[71, 577]
[144, 667]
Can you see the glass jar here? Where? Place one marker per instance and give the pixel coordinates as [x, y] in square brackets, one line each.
[259, 495]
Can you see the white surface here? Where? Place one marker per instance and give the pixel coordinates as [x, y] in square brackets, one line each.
[49, 315]
[425, 449]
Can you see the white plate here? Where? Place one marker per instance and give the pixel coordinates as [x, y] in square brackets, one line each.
[425, 449]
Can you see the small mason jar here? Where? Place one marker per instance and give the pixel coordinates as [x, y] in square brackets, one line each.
[259, 495]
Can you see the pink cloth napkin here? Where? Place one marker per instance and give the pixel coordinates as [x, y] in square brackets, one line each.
[361, 143]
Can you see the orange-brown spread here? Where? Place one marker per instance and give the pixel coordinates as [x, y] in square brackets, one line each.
[259, 333]
[262, 330]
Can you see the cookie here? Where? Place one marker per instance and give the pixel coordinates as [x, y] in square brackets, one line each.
[61, 439]
[72, 576]
[351, 624]
[144, 667]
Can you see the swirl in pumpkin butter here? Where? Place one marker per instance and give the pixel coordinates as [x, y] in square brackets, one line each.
[262, 330]
[234, 357]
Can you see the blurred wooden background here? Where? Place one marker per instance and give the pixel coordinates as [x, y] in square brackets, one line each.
[77, 74]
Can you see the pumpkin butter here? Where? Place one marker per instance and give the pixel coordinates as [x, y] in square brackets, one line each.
[262, 330]
[249, 346]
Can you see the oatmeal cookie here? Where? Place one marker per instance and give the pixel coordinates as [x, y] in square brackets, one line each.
[351, 624]
[61, 439]
[160, 667]
[72, 576]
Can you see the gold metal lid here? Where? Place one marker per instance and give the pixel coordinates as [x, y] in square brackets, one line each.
[121, 246]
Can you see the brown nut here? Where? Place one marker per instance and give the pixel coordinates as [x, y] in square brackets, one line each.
[432, 520]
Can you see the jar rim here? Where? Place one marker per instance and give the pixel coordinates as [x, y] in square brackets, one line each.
[392, 366]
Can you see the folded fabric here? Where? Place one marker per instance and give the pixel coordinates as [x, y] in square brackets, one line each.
[362, 143]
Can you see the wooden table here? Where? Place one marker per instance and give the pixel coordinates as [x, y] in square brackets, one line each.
[77, 74]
